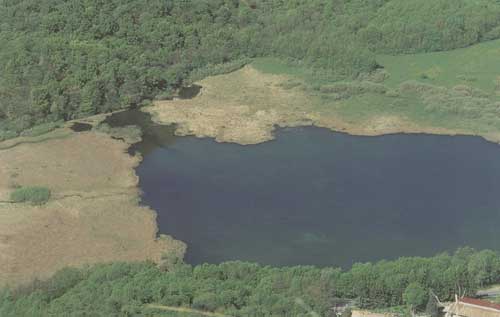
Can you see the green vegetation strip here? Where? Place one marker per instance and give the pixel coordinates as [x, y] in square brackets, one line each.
[242, 289]
[58, 134]
[35, 195]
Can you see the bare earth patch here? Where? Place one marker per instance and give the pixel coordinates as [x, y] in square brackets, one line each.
[245, 107]
[93, 215]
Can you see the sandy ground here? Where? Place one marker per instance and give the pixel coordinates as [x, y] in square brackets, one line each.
[247, 105]
[93, 215]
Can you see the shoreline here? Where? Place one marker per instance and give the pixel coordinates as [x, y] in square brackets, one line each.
[334, 125]
[246, 106]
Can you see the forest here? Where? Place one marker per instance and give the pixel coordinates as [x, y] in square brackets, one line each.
[247, 289]
[61, 60]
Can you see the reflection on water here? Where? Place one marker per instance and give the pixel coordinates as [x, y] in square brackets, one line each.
[154, 135]
[189, 91]
[317, 197]
[81, 127]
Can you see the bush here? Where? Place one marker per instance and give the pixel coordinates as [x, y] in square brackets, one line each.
[347, 313]
[130, 133]
[415, 295]
[5, 135]
[349, 89]
[217, 69]
[34, 194]
[42, 128]
[377, 76]
[207, 302]
[432, 307]
[290, 84]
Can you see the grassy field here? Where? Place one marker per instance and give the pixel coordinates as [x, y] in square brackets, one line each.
[476, 66]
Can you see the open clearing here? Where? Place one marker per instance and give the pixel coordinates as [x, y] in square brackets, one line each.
[93, 215]
[440, 93]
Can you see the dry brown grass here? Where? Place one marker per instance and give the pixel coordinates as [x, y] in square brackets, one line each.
[92, 217]
[242, 107]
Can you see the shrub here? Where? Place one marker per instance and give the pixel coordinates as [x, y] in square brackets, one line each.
[461, 100]
[217, 69]
[290, 84]
[349, 89]
[432, 307]
[36, 195]
[393, 93]
[377, 76]
[207, 301]
[493, 34]
[415, 295]
[5, 135]
[347, 313]
[468, 78]
[413, 86]
[130, 133]
[42, 128]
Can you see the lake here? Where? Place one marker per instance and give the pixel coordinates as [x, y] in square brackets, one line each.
[313, 196]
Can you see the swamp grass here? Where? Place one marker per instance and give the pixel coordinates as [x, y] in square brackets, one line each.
[36, 195]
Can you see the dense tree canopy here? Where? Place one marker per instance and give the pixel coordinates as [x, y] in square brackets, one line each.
[245, 289]
[69, 59]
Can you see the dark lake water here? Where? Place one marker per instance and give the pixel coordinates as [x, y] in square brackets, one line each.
[81, 127]
[317, 197]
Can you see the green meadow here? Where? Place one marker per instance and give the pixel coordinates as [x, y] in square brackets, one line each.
[476, 66]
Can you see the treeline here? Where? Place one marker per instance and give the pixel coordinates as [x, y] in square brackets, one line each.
[74, 58]
[245, 289]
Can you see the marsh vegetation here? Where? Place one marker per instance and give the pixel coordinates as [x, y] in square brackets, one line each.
[36, 195]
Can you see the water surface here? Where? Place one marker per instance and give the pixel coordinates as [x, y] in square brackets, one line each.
[81, 127]
[317, 197]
